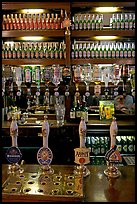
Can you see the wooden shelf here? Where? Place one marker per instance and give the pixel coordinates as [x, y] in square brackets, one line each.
[104, 61]
[92, 33]
[33, 61]
[44, 33]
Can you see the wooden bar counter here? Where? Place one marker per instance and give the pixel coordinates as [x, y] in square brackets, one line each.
[96, 186]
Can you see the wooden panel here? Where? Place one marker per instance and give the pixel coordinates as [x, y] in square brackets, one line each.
[35, 5]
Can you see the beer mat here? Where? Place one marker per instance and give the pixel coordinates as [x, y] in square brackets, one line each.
[130, 160]
[48, 187]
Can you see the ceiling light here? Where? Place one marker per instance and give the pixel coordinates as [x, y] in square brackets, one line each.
[32, 11]
[106, 9]
[32, 38]
[105, 37]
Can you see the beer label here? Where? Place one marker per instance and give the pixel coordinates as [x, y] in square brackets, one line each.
[82, 155]
[44, 156]
[13, 155]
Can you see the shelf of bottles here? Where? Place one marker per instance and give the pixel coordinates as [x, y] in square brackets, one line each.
[28, 21]
[99, 145]
[90, 80]
[93, 21]
[102, 49]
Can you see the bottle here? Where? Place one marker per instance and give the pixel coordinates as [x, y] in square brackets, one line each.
[129, 51]
[133, 50]
[114, 22]
[118, 23]
[124, 148]
[80, 23]
[23, 51]
[57, 22]
[48, 21]
[56, 51]
[84, 109]
[125, 51]
[14, 51]
[18, 51]
[76, 51]
[80, 51]
[27, 51]
[85, 22]
[76, 24]
[93, 25]
[52, 24]
[72, 113]
[28, 75]
[130, 145]
[121, 50]
[126, 22]
[72, 52]
[88, 22]
[32, 50]
[37, 74]
[78, 110]
[119, 143]
[122, 22]
[102, 146]
[101, 22]
[62, 19]
[60, 51]
[97, 22]
[36, 50]
[10, 52]
[66, 75]
[84, 51]
[117, 50]
[41, 51]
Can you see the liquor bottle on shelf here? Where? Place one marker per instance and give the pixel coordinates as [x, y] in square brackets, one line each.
[66, 76]
[62, 19]
[28, 82]
[18, 80]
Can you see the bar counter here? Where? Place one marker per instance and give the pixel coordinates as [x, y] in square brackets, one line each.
[96, 187]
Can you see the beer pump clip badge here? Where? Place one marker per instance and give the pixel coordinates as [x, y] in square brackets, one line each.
[44, 156]
[13, 155]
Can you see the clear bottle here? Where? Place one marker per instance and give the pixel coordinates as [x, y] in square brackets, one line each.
[88, 22]
[76, 51]
[80, 22]
[114, 21]
[122, 22]
[118, 23]
[125, 51]
[121, 50]
[126, 22]
[41, 51]
[129, 50]
[76, 24]
[18, 50]
[93, 25]
[85, 22]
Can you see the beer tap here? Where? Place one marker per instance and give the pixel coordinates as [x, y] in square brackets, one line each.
[82, 154]
[112, 155]
[13, 153]
[44, 154]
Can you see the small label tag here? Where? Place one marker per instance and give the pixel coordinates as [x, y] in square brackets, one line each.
[44, 156]
[82, 155]
[13, 155]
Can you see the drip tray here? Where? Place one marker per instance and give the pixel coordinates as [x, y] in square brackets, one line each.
[50, 187]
